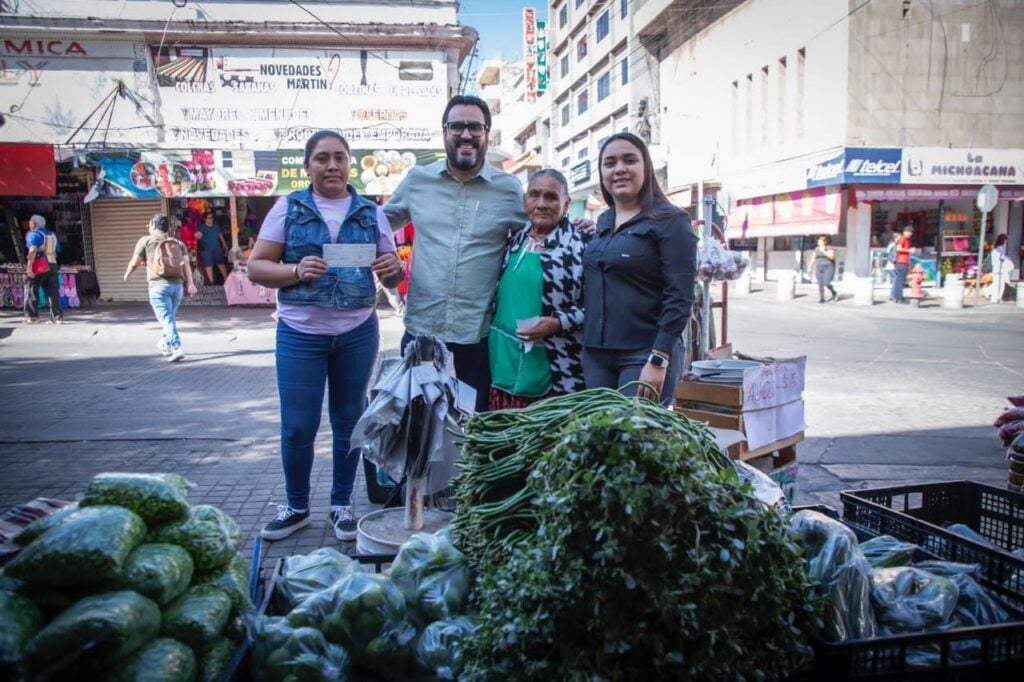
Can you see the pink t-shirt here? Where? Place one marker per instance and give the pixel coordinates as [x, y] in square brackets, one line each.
[311, 319]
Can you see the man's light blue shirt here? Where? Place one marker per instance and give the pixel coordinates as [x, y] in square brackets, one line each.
[462, 229]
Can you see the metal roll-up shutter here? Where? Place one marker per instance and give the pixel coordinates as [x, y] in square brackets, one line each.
[117, 225]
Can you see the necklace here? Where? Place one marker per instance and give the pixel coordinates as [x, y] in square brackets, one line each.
[534, 243]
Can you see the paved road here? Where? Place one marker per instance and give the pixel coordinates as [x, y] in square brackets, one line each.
[893, 395]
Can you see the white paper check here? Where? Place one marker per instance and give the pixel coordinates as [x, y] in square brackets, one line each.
[350, 255]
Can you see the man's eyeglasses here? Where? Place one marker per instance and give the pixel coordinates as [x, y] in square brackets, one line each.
[475, 128]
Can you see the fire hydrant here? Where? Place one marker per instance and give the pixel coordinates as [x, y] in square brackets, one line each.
[917, 276]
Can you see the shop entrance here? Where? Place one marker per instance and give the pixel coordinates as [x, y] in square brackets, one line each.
[204, 225]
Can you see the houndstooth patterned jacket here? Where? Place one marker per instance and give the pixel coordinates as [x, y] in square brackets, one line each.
[562, 264]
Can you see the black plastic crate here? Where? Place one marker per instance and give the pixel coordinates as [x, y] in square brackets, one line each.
[918, 513]
[999, 648]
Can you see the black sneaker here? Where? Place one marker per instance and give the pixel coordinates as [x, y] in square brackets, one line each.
[344, 523]
[285, 523]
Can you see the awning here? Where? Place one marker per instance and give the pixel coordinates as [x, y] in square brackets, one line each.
[531, 160]
[29, 170]
[813, 211]
[870, 193]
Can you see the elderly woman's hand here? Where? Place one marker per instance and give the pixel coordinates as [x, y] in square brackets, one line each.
[586, 226]
[543, 329]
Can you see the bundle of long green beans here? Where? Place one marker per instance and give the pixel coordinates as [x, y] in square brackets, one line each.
[495, 507]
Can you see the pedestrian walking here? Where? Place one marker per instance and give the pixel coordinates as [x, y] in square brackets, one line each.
[464, 211]
[825, 268]
[904, 247]
[42, 271]
[327, 331]
[541, 280]
[1002, 269]
[640, 270]
[168, 274]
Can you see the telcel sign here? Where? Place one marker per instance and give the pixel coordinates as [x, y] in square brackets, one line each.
[875, 165]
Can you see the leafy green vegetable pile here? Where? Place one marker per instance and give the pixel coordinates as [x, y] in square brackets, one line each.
[610, 539]
[129, 584]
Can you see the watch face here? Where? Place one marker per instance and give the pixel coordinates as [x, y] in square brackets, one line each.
[657, 360]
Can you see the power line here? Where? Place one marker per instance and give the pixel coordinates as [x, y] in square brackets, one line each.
[347, 38]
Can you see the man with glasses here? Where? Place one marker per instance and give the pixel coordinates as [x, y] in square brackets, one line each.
[464, 211]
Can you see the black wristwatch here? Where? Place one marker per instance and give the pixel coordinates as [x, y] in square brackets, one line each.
[659, 361]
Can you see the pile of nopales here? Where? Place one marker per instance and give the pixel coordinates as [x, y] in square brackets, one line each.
[610, 539]
[130, 582]
[339, 621]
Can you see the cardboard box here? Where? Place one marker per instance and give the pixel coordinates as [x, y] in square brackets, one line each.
[781, 467]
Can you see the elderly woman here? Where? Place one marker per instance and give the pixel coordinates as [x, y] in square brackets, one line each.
[535, 336]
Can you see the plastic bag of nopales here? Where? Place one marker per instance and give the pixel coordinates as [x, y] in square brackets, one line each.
[885, 551]
[908, 599]
[839, 570]
[439, 648]
[305, 575]
[433, 577]
[365, 613]
[281, 652]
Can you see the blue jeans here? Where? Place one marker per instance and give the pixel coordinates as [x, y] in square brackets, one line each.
[165, 299]
[899, 280]
[603, 368]
[305, 363]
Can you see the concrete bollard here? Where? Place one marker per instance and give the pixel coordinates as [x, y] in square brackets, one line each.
[1020, 294]
[787, 287]
[953, 293]
[864, 292]
[743, 284]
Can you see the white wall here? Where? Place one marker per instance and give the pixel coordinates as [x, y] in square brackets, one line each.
[706, 123]
[949, 74]
[438, 12]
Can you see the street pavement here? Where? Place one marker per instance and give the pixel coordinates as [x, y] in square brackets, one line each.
[894, 395]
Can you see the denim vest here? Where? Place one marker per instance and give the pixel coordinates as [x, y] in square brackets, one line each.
[305, 234]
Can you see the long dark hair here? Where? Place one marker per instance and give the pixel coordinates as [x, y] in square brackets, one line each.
[319, 135]
[653, 201]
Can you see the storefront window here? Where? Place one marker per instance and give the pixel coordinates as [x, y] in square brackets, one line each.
[63, 217]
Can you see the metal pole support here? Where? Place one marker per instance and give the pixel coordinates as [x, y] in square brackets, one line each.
[705, 327]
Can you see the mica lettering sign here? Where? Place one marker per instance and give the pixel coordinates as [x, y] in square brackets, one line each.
[938, 165]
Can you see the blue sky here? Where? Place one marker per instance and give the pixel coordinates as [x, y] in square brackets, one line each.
[500, 24]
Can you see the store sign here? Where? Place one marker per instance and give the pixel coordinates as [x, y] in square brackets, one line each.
[530, 52]
[939, 165]
[53, 85]
[277, 98]
[215, 173]
[877, 165]
[772, 178]
[580, 172]
[930, 193]
[542, 57]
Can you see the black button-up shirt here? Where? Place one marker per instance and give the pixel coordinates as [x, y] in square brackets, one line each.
[639, 282]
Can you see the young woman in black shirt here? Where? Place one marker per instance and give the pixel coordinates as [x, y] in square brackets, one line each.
[639, 272]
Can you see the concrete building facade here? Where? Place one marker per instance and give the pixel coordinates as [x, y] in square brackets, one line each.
[838, 116]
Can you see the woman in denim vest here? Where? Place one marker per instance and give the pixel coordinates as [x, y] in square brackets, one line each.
[327, 324]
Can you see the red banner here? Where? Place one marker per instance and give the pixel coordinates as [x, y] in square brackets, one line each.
[28, 170]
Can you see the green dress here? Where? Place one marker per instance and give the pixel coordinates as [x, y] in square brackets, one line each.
[520, 292]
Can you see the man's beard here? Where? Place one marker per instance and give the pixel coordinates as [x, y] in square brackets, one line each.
[464, 162]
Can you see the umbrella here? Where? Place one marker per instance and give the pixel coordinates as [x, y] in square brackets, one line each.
[409, 428]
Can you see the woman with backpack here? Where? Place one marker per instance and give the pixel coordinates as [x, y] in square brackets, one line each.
[168, 273]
